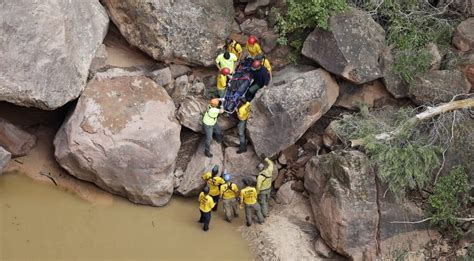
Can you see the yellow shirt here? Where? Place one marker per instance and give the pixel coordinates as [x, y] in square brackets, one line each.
[221, 81]
[248, 195]
[235, 48]
[206, 203]
[264, 179]
[267, 65]
[213, 182]
[210, 116]
[224, 63]
[229, 192]
[244, 111]
[254, 49]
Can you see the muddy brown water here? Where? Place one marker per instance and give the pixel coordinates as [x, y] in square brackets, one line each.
[43, 222]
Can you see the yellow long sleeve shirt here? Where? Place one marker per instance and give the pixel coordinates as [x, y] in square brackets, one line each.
[264, 179]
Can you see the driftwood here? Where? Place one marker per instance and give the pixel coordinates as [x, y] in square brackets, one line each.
[428, 219]
[426, 115]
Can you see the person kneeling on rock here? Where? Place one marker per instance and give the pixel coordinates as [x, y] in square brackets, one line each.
[229, 192]
[248, 197]
[206, 203]
[209, 123]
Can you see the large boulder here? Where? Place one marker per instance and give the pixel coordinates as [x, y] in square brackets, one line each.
[191, 111]
[174, 31]
[122, 136]
[191, 182]
[352, 96]
[464, 35]
[15, 140]
[392, 80]
[4, 158]
[241, 165]
[350, 48]
[47, 49]
[352, 212]
[438, 86]
[283, 111]
[343, 197]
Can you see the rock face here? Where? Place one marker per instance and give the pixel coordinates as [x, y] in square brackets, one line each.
[464, 35]
[438, 86]
[282, 112]
[351, 96]
[393, 82]
[352, 46]
[47, 48]
[191, 111]
[122, 136]
[179, 31]
[192, 183]
[241, 165]
[352, 214]
[343, 198]
[4, 158]
[15, 140]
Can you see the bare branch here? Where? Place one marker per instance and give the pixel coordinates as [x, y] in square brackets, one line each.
[428, 219]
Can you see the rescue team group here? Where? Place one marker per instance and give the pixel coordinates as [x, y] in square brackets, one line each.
[253, 198]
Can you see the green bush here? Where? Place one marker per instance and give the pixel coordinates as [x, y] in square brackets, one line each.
[449, 198]
[306, 14]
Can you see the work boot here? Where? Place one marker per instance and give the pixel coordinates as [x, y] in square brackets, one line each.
[248, 224]
[208, 154]
[242, 148]
[219, 139]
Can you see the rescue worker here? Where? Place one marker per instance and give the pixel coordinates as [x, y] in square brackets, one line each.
[264, 184]
[229, 192]
[248, 197]
[264, 60]
[222, 80]
[206, 203]
[253, 47]
[232, 46]
[214, 182]
[261, 78]
[226, 60]
[243, 114]
[210, 125]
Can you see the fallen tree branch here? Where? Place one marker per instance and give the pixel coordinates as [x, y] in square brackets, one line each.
[426, 115]
[428, 219]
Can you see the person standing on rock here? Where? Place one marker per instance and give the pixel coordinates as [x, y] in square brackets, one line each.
[243, 114]
[226, 60]
[206, 203]
[253, 47]
[214, 182]
[209, 123]
[222, 79]
[264, 184]
[232, 46]
[248, 197]
[229, 193]
[261, 78]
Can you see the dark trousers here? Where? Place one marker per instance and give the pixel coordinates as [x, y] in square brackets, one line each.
[205, 219]
[216, 200]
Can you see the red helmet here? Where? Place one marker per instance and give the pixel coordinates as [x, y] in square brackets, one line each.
[256, 64]
[225, 71]
[252, 40]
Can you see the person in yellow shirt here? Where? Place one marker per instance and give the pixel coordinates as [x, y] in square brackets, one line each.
[226, 60]
[229, 192]
[264, 184]
[243, 114]
[266, 63]
[248, 197]
[253, 47]
[206, 203]
[222, 80]
[232, 46]
[210, 126]
[214, 182]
